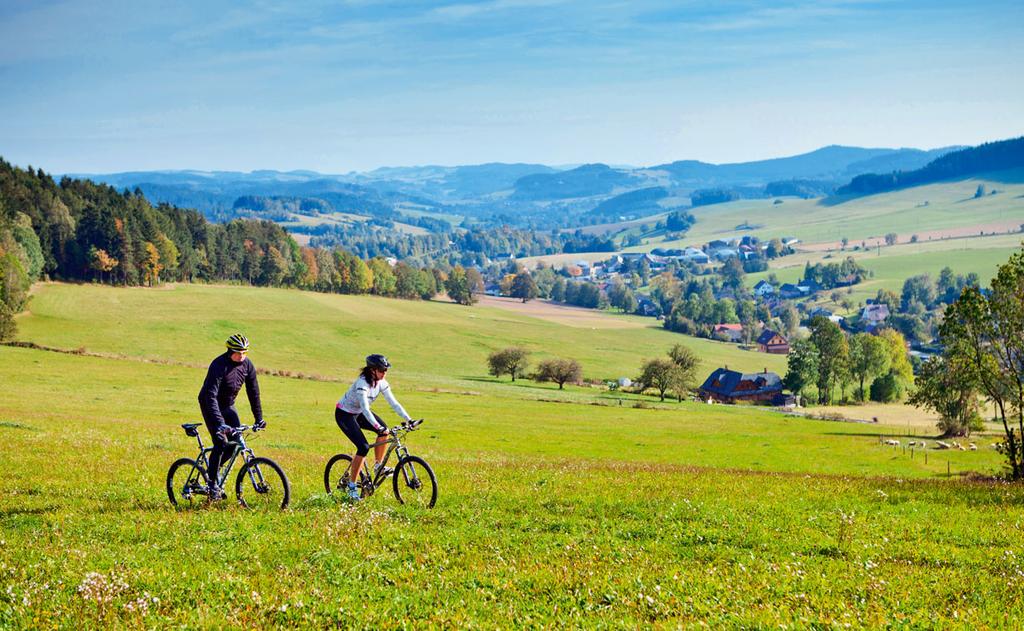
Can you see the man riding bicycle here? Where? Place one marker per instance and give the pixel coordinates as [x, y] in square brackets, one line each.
[227, 373]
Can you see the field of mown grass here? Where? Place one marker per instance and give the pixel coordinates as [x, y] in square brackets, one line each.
[555, 508]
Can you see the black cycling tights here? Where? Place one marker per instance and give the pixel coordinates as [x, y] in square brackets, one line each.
[351, 424]
[221, 448]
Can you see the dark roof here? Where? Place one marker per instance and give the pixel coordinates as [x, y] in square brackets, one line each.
[729, 381]
[767, 335]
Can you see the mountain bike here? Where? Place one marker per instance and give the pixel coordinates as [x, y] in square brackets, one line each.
[260, 484]
[413, 481]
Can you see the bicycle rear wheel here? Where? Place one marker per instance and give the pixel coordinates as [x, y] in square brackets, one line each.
[336, 476]
[414, 482]
[186, 483]
[261, 485]
[336, 472]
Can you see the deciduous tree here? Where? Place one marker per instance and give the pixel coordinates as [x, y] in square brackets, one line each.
[510, 361]
[560, 371]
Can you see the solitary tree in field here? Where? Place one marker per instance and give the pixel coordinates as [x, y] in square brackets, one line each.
[457, 286]
[523, 286]
[510, 361]
[890, 239]
[663, 375]
[686, 362]
[947, 384]
[560, 371]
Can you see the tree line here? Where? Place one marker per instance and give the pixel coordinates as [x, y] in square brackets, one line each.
[991, 156]
[873, 366]
[476, 246]
[77, 230]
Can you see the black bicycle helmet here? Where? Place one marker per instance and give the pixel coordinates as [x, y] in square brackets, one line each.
[237, 343]
[378, 361]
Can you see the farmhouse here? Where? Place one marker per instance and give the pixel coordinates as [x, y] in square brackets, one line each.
[874, 314]
[772, 342]
[763, 288]
[790, 291]
[730, 386]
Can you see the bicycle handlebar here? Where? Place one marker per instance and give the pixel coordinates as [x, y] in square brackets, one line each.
[407, 426]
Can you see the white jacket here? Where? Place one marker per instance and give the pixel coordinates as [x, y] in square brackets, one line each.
[362, 394]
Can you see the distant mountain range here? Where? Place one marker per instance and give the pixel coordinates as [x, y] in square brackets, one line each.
[530, 195]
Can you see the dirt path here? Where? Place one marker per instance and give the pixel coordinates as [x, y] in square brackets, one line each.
[567, 315]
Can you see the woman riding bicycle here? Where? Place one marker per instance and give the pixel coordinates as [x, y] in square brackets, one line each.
[353, 415]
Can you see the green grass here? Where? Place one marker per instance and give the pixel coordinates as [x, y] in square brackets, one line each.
[556, 508]
[950, 205]
[891, 266]
[330, 334]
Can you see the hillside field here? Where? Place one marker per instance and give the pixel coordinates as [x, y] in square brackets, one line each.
[949, 205]
[581, 507]
[891, 265]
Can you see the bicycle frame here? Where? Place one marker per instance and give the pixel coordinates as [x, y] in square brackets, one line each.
[395, 446]
[225, 468]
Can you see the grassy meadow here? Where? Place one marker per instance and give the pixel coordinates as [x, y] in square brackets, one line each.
[950, 205]
[580, 507]
[892, 265]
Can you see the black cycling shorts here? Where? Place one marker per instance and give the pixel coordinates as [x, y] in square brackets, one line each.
[353, 424]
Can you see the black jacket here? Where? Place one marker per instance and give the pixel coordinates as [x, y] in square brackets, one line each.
[223, 381]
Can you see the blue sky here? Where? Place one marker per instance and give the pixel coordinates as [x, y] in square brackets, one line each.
[353, 85]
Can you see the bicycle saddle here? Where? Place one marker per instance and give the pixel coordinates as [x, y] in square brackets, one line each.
[190, 428]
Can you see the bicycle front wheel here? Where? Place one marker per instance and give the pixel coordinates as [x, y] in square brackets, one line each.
[262, 485]
[414, 482]
[186, 483]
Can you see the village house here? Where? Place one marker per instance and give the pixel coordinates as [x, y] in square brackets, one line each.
[772, 342]
[789, 291]
[874, 314]
[763, 288]
[732, 332]
[646, 307]
[730, 386]
[809, 286]
[694, 255]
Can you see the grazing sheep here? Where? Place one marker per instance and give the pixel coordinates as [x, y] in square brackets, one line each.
[941, 445]
[974, 447]
[893, 442]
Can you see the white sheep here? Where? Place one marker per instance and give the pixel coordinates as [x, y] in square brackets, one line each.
[893, 442]
[974, 447]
